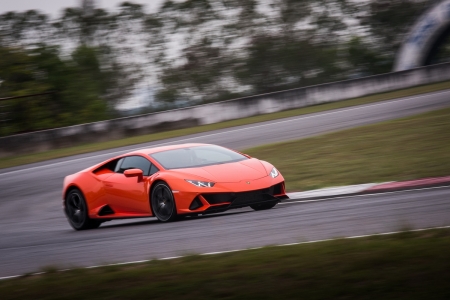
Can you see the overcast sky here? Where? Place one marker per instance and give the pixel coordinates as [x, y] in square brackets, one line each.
[54, 7]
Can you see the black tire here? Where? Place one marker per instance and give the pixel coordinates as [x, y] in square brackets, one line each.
[77, 212]
[163, 203]
[264, 206]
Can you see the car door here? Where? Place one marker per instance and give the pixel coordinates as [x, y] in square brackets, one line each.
[128, 194]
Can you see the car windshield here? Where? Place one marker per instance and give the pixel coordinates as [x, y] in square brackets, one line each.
[197, 156]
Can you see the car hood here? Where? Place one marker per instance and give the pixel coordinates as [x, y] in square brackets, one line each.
[249, 169]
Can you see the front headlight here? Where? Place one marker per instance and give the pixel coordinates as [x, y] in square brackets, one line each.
[274, 173]
[200, 183]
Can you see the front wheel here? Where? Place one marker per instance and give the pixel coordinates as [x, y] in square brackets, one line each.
[163, 203]
[263, 206]
[77, 212]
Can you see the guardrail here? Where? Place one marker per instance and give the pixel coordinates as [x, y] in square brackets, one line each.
[221, 111]
[25, 96]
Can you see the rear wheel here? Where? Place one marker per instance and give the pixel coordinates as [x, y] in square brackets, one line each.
[163, 203]
[263, 206]
[77, 212]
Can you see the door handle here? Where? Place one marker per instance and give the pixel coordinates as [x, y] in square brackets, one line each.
[108, 184]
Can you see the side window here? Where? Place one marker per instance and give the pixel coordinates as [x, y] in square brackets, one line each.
[109, 167]
[117, 168]
[134, 162]
[153, 169]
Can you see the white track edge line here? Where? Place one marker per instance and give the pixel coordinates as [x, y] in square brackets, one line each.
[362, 195]
[229, 131]
[239, 250]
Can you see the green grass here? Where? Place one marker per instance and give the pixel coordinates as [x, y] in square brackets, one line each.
[402, 266]
[16, 160]
[403, 149]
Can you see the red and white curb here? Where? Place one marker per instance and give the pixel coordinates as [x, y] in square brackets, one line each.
[332, 191]
[412, 184]
[370, 188]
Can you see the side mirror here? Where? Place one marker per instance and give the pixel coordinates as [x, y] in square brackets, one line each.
[134, 173]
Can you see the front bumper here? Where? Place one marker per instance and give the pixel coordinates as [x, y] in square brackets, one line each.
[226, 196]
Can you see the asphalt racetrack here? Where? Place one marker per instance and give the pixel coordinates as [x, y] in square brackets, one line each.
[34, 232]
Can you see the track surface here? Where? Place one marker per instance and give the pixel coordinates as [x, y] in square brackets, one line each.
[26, 251]
[34, 232]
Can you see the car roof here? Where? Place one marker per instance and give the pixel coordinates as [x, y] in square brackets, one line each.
[148, 151]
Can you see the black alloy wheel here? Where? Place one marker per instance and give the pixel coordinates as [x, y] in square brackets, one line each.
[163, 203]
[77, 212]
[264, 206]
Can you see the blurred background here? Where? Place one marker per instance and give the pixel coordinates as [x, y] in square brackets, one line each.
[99, 60]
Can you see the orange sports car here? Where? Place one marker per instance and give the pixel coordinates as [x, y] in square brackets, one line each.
[168, 182]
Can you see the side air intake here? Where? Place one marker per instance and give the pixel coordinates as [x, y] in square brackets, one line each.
[106, 210]
[196, 204]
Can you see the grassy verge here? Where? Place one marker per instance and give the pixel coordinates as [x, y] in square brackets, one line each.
[403, 149]
[402, 266]
[11, 161]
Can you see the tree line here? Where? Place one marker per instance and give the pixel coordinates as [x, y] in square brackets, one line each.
[188, 52]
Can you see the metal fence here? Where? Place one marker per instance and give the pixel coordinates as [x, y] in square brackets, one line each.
[5, 117]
